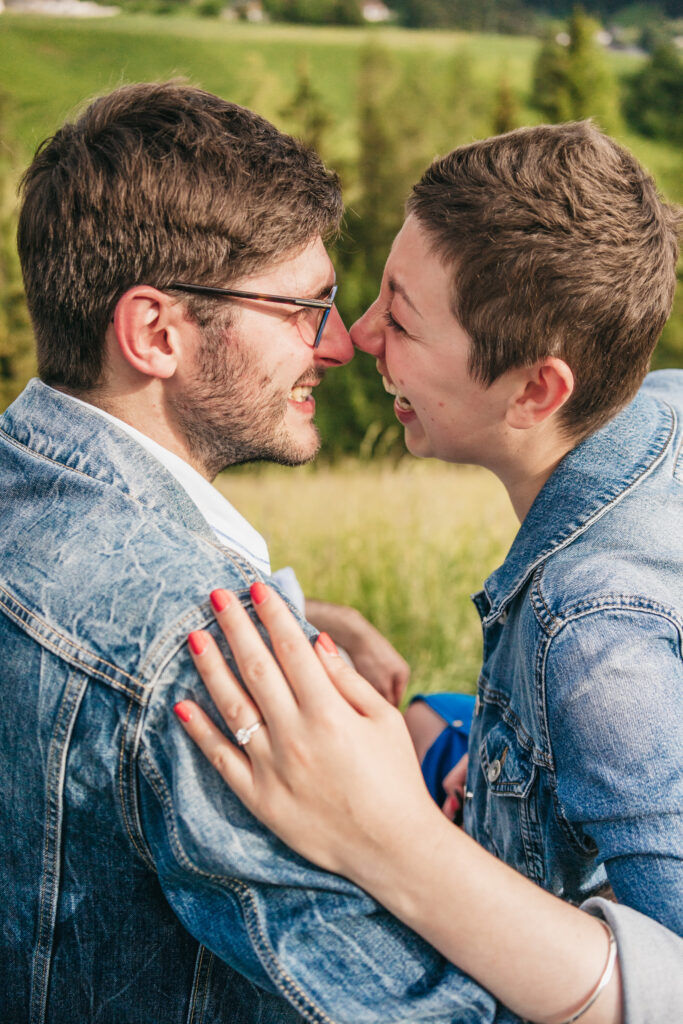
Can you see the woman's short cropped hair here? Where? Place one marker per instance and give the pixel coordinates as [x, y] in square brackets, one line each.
[559, 245]
[156, 182]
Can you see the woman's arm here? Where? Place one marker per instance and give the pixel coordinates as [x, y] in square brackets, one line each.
[373, 656]
[334, 773]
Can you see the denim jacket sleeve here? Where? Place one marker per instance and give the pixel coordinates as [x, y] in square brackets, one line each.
[613, 688]
[289, 927]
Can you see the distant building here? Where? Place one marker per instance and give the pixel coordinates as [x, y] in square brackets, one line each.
[375, 12]
[245, 10]
[61, 8]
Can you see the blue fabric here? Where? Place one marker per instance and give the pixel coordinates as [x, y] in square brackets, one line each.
[456, 709]
[574, 762]
[136, 888]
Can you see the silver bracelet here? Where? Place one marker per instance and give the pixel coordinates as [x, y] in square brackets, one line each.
[604, 978]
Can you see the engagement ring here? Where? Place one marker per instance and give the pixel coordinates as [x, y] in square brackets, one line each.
[243, 736]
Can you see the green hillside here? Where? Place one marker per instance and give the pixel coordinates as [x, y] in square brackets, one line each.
[427, 92]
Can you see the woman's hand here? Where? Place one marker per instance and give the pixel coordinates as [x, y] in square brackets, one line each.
[373, 656]
[332, 770]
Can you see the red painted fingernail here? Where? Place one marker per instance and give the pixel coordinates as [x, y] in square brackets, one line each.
[259, 592]
[327, 643]
[183, 712]
[451, 806]
[197, 641]
[220, 599]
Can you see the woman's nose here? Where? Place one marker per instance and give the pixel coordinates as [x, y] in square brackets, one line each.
[366, 333]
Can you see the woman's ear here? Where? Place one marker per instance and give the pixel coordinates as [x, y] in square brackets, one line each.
[545, 388]
[148, 325]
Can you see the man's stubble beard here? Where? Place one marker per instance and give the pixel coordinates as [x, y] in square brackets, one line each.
[230, 413]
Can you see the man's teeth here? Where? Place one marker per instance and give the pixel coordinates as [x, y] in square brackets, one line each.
[300, 394]
[401, 400]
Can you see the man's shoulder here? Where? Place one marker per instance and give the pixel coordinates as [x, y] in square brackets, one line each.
[87, 565]
[665, 384]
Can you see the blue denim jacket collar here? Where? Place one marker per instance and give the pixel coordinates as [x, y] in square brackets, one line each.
[588, 481]
[54, 422]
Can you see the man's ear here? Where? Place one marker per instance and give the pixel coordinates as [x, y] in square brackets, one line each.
[545, 387]
[148, 326]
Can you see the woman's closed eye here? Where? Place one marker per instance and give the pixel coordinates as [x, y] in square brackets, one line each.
[392, 323]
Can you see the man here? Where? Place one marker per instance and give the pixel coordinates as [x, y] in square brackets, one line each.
[183, 305]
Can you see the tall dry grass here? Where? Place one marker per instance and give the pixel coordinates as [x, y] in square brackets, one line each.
[405, 544]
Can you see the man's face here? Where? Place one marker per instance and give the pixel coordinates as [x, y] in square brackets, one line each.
[248, 395]
[422, 354]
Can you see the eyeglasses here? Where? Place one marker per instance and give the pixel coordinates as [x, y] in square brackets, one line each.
[324, 305]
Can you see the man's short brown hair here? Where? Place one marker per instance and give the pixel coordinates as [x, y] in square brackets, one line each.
[559, 245]
[156, 183]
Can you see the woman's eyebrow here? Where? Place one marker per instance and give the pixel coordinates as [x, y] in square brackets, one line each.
[397, 288]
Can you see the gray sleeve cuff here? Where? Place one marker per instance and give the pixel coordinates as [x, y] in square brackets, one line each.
[651, 962]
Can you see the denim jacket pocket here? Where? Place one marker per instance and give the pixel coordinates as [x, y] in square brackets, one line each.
[507, 800]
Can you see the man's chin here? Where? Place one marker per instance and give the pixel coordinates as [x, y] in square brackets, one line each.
[286, 452]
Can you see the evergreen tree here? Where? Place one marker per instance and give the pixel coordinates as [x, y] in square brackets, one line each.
[574, 82]
[17, 362]
[654, 101]
[506, 111]
[306, 115]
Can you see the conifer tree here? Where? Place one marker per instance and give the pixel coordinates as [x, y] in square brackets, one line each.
[306, 115]
[17, 361]
[573, 82]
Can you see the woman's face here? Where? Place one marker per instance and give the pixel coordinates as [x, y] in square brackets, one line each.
[422, 354]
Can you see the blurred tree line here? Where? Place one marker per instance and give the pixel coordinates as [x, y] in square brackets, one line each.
[403, 119]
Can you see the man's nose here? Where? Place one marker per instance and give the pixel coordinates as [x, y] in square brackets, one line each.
[335, 346]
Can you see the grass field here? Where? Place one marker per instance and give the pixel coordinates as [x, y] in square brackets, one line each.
[406, 545]
[49, 66]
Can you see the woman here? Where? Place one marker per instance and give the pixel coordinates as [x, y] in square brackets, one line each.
[518, 310]
[334, 773]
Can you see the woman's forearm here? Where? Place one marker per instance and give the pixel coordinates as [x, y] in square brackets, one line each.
[481, 914]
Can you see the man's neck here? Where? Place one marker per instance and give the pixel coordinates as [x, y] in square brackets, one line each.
[145, 412]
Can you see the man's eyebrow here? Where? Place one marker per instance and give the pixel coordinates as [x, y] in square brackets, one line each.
[325, 290]
[397, 287]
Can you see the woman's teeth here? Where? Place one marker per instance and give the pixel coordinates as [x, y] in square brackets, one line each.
[401, 401]
[300, 394]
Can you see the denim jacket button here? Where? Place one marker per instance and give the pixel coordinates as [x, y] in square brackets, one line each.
[493, 770]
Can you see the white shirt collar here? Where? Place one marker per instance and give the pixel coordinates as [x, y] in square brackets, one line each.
[231, 528]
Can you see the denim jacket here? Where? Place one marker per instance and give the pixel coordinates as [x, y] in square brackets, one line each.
[136, 889]
[575, 752]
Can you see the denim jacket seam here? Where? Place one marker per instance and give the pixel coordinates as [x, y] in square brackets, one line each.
[544, 616]
[126, 793]
[259, 941]
[16, 443]
[657, 455]
[526, 740]
[68, 710]
[621, 602]
[200, 616]
[50, 637]
[677, 471]
[200, 981]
